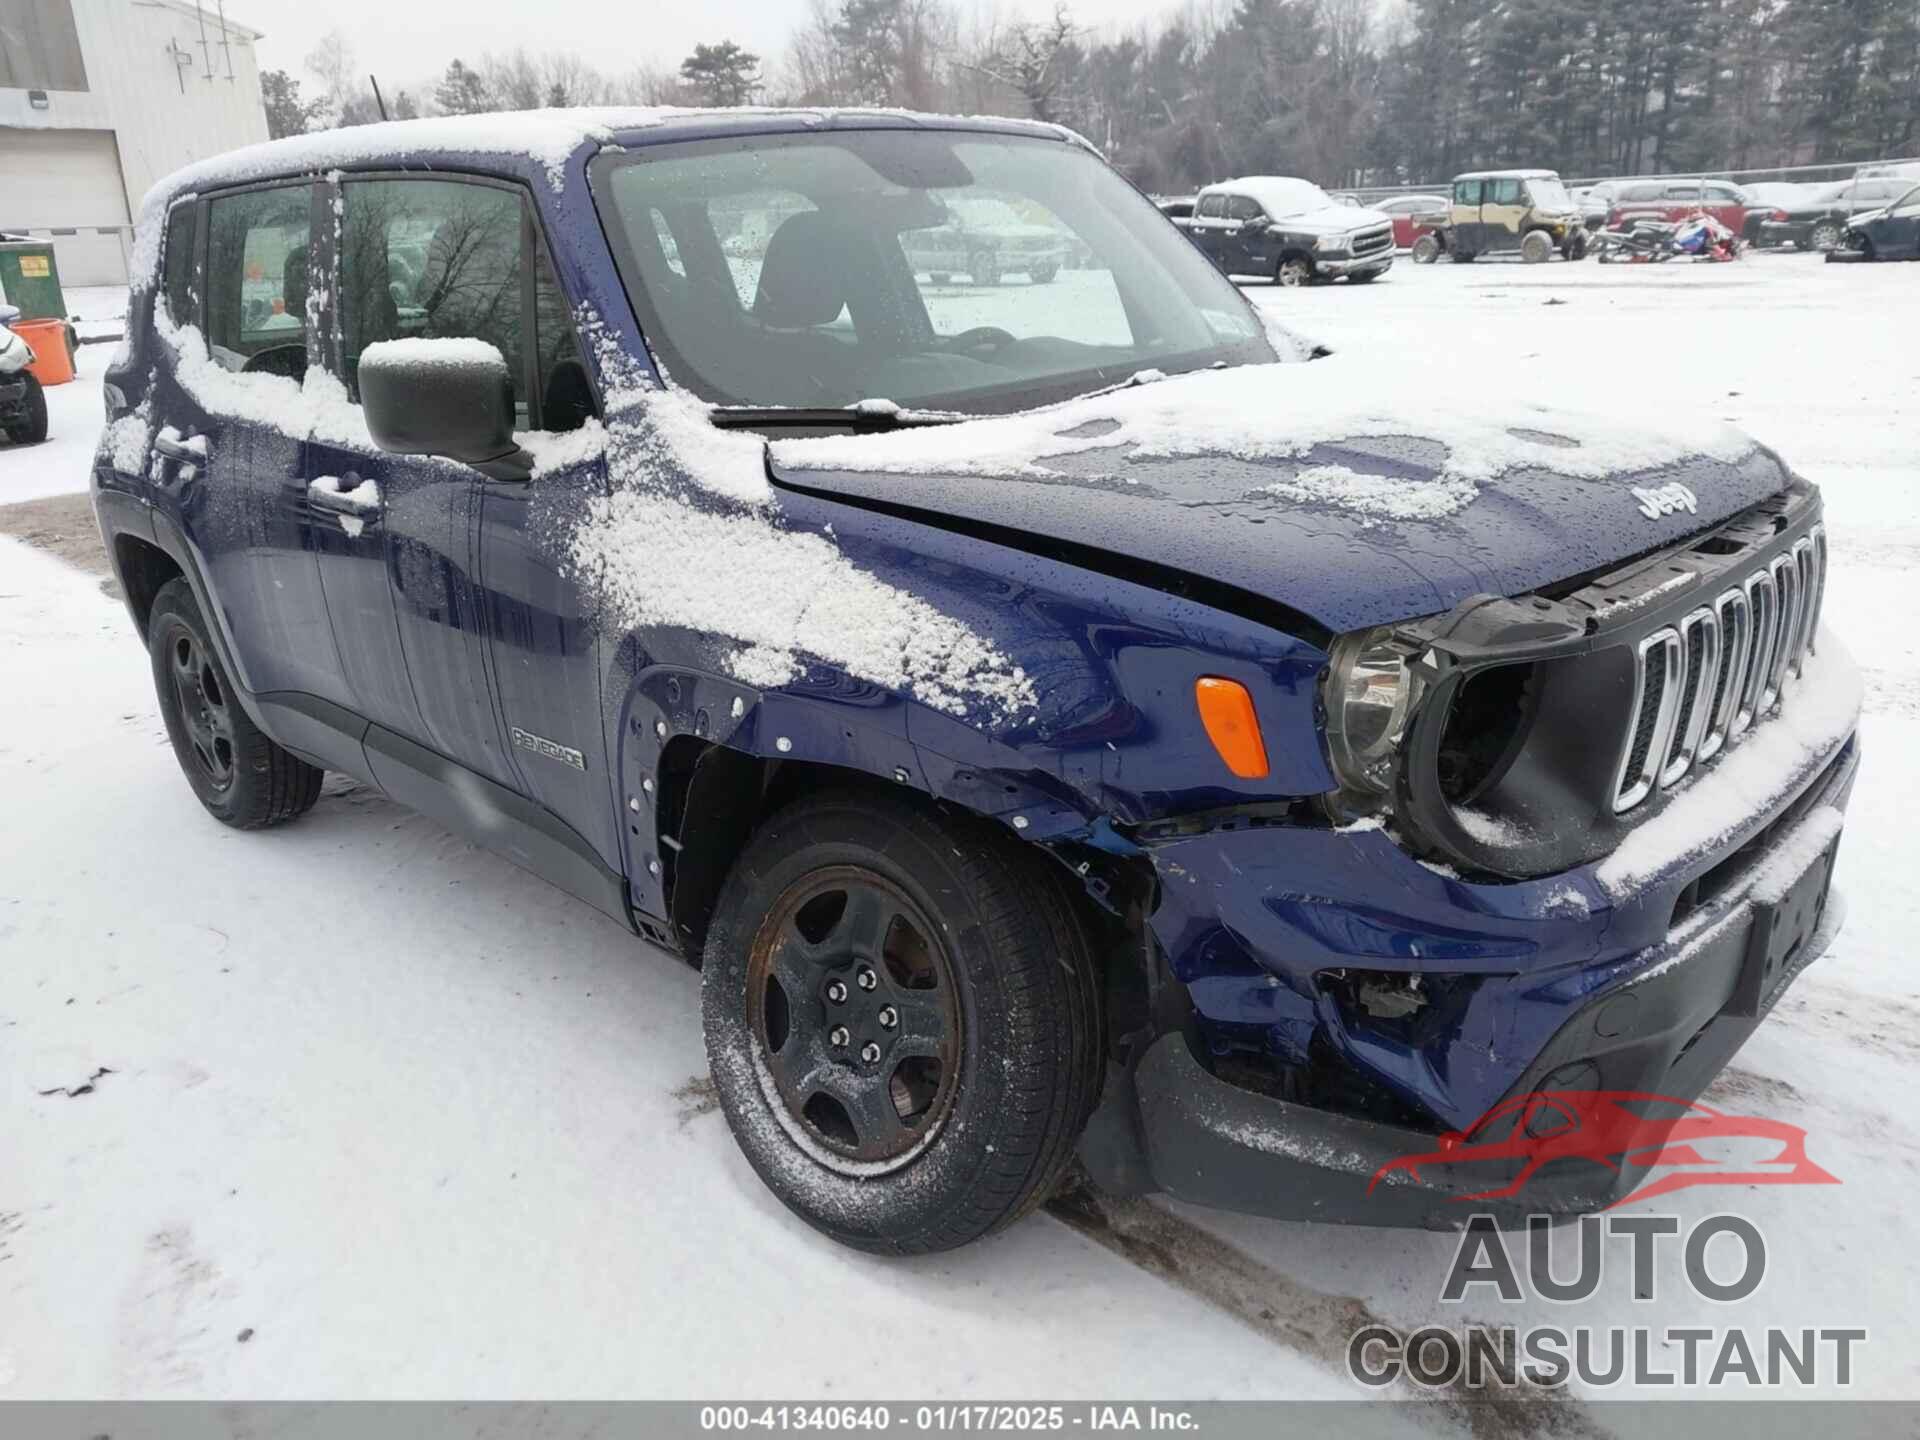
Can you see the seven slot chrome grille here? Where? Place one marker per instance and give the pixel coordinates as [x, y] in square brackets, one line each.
[1703, 680]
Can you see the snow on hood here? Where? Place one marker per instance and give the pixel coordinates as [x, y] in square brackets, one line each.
[1311, 484]
[1333, 220]
[1271, 412]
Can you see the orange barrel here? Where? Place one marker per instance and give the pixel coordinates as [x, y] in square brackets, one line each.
[52, 362]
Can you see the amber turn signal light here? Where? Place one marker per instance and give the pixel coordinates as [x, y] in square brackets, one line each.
[1226, 709]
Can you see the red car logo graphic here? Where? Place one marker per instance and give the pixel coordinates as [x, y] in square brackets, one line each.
[1618, 1129]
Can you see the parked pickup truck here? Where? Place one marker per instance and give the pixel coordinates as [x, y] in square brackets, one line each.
[1089, 727]
[1290, 230]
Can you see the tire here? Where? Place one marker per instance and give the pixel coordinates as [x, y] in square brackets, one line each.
[1043, 274]
[1293, 270]
[966, 1119]
[1426, 250]
[242, 777]
[984, 268]
[1824, 236]
[1536, 247]
[32, 428]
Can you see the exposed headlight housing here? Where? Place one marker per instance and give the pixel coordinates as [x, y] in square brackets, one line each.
[1330, 242]
[1371, 693]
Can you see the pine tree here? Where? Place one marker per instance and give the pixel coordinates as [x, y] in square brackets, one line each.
[724, 73]
[461, 92]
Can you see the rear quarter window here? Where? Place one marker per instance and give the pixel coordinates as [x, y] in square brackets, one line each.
[257, 283]
[181, 282]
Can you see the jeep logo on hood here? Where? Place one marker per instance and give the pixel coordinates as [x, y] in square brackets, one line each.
[1661, 500]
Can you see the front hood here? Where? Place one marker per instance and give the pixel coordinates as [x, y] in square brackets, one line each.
[1300, 484]
[1332, 220]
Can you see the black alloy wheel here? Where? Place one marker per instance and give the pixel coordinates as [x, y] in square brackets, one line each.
[200, 702]
[851, 996]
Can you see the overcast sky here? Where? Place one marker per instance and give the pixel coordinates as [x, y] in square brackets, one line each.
[406, 42]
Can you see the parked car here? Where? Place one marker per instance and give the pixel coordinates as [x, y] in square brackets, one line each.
[1595, 203]
[1672, 200]
[1819, 223]
[1502, 211]
[1411, 214]
[1291, 230]
[985, 238]
[1889, 234]
[23, 404]
[1178, 209]
[1077, 722]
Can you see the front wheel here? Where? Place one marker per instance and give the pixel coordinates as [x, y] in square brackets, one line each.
[902, 1021]
[984, 268]
[31, 427]
[1426, 250]
[241, 776]
[1536, 247]
[1825, 236]
[1043, 274]
[1294, 270]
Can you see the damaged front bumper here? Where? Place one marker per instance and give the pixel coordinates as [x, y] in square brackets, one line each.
[1543, 985]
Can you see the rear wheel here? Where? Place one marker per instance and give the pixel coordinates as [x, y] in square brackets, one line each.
[241, 776]
[902, 1021]
[1043, 274]
[1824, 236]
[984, 267]
[1426, 250]
[1536, 247]
[31, 426]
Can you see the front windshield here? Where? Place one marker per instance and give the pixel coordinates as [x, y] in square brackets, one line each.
[959, 270]
[1549, 194]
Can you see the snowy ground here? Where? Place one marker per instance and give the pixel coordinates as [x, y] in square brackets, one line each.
[426, 1127]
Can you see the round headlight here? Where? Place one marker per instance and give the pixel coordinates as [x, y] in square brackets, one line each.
[1371, 694]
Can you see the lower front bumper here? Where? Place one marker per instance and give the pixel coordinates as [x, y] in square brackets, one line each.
[1336, 266]
[1685, 1007]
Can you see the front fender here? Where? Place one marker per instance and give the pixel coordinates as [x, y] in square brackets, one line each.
[1113, 738]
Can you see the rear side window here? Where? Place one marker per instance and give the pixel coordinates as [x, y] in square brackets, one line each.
[437, 259]
[257, 280]
[1503, 192]
[181, 284]
[1466, 192]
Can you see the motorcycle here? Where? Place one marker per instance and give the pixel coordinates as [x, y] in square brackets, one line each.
[1699, 237]
[23, 404]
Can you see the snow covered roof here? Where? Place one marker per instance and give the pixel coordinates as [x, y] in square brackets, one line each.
[1508, 175]
[547, 136]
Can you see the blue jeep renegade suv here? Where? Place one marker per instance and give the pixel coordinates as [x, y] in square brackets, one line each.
[1060, 714]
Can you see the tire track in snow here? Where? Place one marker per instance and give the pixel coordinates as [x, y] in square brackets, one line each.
[1314, 1323]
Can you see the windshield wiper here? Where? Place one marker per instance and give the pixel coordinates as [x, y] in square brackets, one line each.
[779, 417]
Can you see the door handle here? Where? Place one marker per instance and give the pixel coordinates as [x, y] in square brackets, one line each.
[175, 446]
[348, 495]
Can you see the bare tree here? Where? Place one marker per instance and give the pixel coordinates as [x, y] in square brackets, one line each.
[1031, 60]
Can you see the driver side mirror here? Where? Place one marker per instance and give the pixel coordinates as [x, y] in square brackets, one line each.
[451, 397]
[1257, 224]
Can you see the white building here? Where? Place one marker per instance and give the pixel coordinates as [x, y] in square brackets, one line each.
[100, 98]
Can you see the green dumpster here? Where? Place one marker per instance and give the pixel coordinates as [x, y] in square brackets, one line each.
[30, 280]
